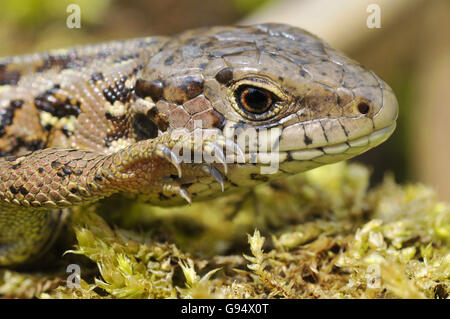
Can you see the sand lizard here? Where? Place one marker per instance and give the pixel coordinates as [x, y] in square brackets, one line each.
[81, 124]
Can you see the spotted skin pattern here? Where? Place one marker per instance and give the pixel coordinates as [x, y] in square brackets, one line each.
[81, 124]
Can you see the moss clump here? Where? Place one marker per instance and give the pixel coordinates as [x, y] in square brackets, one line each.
[323, 234]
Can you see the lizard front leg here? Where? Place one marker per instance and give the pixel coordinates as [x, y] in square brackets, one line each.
[33, 190]
[35, 186]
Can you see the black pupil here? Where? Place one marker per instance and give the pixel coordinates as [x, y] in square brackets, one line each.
[254, 99]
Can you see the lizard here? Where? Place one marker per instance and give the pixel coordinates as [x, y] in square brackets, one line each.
[127, 117]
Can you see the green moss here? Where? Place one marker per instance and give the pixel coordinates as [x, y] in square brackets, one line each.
[323, 234]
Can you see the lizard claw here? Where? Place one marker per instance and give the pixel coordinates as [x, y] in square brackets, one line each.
[166, 153]
[219, 156]
[216, 174]
[173, 188]
[185, 195]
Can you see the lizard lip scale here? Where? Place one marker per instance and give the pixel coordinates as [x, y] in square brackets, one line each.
[350, 148]
[84, 123]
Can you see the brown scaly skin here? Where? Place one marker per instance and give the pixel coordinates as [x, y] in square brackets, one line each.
[81, 124]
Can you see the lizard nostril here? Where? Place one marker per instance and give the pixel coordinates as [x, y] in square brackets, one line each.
[363, 108]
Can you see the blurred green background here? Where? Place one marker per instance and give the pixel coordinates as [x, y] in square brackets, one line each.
[411, 52]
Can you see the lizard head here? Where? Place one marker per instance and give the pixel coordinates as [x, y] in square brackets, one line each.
[294, 101]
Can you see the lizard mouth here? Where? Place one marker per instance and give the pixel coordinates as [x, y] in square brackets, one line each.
[273, 163]
[339, 151]
[336, 151]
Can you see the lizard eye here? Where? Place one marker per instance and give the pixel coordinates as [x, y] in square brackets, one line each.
[254, 99]
[257, 98]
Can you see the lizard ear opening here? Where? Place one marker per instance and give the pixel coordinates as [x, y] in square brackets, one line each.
[363, 107]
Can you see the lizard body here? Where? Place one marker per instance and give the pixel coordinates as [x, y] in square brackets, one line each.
[81, 124]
